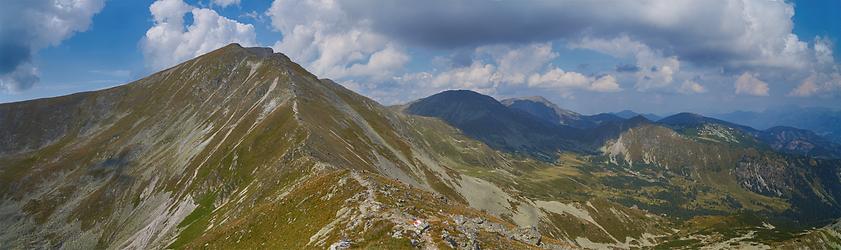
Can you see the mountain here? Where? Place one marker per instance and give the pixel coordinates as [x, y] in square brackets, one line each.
[241, 148]
[486, 119]
[824, 122]
[691, 119]
[782, 139]
[548, 111]
[800, 141]
[628, 114]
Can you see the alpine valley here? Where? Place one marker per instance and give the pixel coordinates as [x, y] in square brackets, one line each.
[241, 148]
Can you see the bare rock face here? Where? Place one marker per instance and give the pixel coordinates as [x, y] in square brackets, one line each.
[766, 176]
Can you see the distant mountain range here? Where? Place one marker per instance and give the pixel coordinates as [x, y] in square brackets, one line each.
[541, 107]
[593, 128]
[713, 153]
[242, 148]
[823, 121]
[782, 139]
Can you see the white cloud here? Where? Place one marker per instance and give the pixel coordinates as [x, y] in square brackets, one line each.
[825, 76]
[168, 42]
[507, 68]
[478, 76]
[749, 84]
[169, 12]
[22, 78]
[692, 87]
[226, 3]
[318, 34]
[561, 80]
[516, 63]
[380, 64]
[29, 26]
[823, 51]
[807, 88]
[655, 70]
[817, 84]
[606, 83]
[53, 21]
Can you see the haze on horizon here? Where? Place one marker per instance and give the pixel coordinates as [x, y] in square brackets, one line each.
[647, 56]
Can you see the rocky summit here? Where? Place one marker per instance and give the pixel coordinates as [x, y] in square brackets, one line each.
[241, 148]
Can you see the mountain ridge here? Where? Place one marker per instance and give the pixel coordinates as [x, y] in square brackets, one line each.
[822, 121]
[187, 160]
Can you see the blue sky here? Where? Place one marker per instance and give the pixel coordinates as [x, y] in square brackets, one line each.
[588, 56]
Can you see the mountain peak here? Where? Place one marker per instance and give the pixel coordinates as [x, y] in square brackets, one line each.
[685, 118]
[463, 92]
[639, 119]
[626, 113]
[466, 97]
[546, 110]
[466, 100]
[236, 48]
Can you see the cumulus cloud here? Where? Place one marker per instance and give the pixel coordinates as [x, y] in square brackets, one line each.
[561, 80]
[823, 51]
[380, 64]
[22, 78]
[478, 76]
[606, 83]
[169, 42]
[28, 26]
[499, 67]
[816, 84]
[516, 63]
[825, 76]
[807, 88]
[652, 69]
[692, 87]
[319, 35]
[749, 84]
